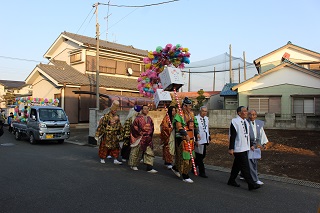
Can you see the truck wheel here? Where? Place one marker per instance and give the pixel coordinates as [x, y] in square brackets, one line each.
[31, 139]
[61, 141]
[17, 135]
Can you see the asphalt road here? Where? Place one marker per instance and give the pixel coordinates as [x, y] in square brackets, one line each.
[66, 177]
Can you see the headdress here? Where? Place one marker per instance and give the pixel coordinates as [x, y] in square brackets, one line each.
[137, 108]
[186, 100]
[115, 105]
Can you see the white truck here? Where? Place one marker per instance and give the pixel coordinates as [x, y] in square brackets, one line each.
[44, 123]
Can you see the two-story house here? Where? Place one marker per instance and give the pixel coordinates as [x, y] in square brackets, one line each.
[288, 83]
[70, 75]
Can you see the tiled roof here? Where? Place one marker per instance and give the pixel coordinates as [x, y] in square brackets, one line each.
[63, 73]
[289, 43]
[12, 84]
[91, 42]
[227, 90]
[207, 94]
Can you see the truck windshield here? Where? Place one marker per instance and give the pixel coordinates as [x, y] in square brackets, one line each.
[52, 115]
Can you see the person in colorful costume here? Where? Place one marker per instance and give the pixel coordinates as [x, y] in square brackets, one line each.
[125, 151]
[186, 127]
[142, 130]
[167, 135]
[109, 133]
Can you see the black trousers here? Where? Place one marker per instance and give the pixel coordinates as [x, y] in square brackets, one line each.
[199, 160]
[241, 163]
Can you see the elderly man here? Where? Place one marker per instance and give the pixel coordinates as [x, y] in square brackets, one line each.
[200, 148]
[257, 138]
[239, 145]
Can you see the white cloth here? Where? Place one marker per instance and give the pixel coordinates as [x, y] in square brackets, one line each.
[263, 137]
[203, 124]
[242, 141]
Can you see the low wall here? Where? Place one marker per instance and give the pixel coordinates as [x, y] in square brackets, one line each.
[222, 119]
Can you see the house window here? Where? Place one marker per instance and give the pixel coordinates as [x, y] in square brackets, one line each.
[75, 57]
[303, 106]
[265, 104]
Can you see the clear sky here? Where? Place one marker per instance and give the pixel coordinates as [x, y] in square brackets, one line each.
[206, 27]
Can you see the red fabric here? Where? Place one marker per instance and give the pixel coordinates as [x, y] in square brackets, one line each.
[142, 128]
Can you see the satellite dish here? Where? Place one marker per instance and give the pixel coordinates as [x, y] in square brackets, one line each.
[130, 71]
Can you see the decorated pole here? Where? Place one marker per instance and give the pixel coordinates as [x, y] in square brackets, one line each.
[189, 147]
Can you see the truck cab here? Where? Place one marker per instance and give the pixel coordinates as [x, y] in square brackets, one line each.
[47, 123]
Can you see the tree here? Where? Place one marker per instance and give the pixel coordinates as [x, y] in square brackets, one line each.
[200, 99]
[9, 98]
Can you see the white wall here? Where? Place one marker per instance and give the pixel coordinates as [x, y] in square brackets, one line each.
[38, 88]
[286, 75]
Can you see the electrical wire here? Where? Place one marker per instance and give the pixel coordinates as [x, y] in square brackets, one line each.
[84, 20]
[211, 71]
[146, 5]
[20, 59]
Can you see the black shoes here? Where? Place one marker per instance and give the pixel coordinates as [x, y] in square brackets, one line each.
[203, 175]
[253, 187]
[233, 183]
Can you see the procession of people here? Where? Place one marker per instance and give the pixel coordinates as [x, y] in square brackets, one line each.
[184, 138]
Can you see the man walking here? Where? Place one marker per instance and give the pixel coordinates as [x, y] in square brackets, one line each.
[200, 148]
[110, 132]
[257, 137]
[186, 127]
[142, 130]
[238, 147]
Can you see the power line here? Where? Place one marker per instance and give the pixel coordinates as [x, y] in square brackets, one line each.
[146, 5]
[21, 59]
[210, 71]
[84, 20]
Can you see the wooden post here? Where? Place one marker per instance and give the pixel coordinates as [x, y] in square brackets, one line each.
[239, 72]
[214, 79]
[189, 86]
[230, 65]
[244, 67]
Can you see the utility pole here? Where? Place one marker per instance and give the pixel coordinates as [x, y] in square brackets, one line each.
[97, 57]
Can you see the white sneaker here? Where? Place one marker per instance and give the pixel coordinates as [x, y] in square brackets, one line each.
[241, 178]
[188, 180]
[102, 161]
[152, 171]
[259, 182]
[124, 160]
[176, 172]
[109, 157]
[134, 168]
[141, 161]
[117, 162]
[169, 166]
